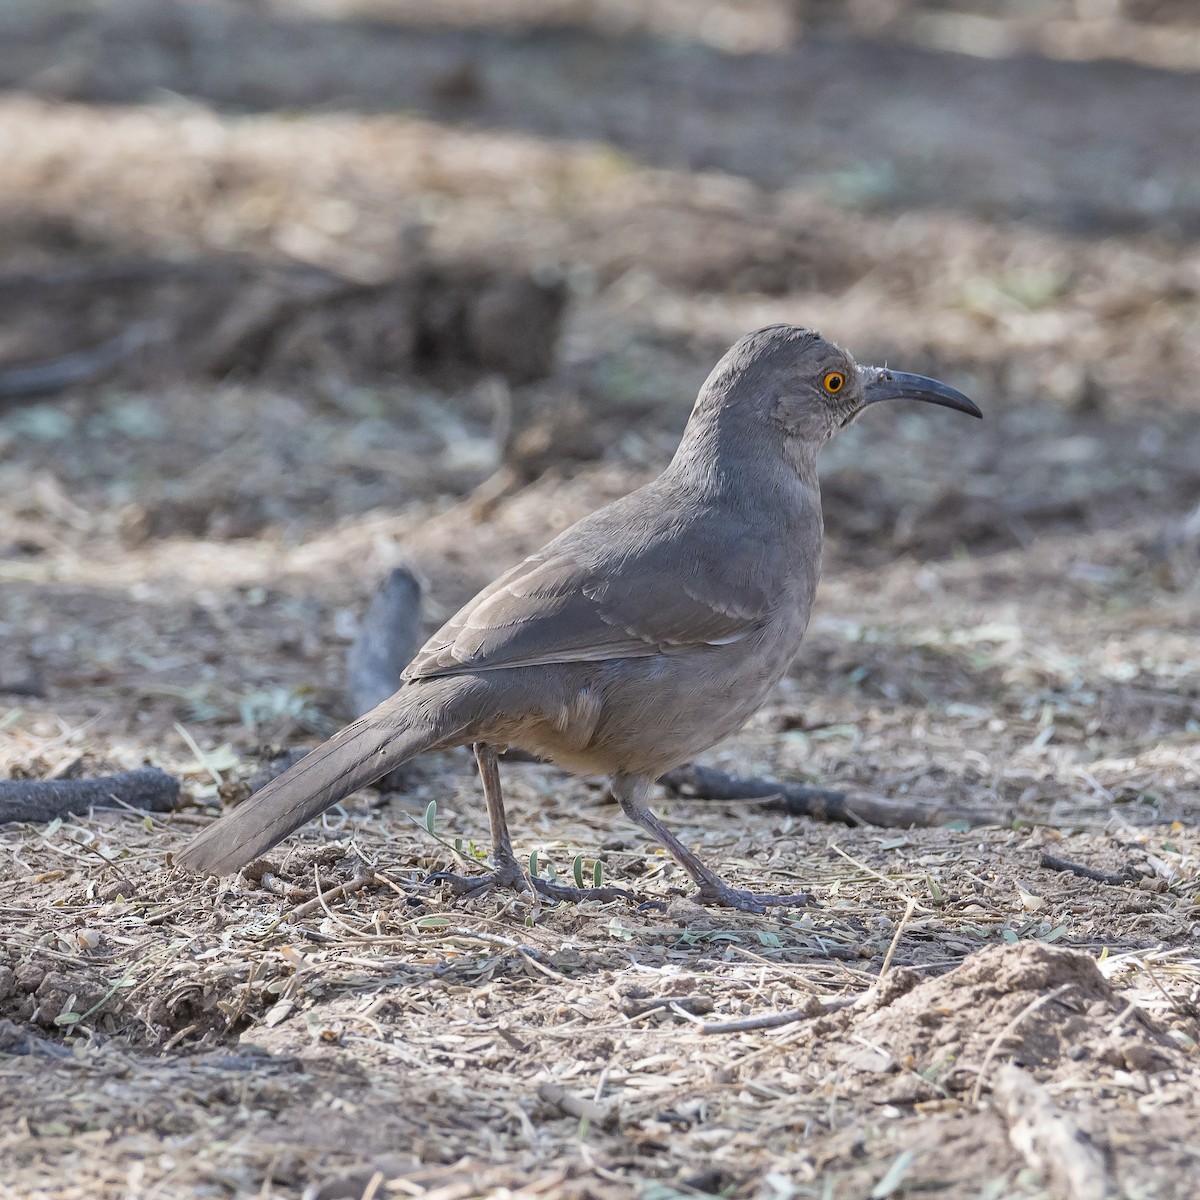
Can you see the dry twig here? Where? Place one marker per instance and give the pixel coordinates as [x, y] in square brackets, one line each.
[707, 783]
[334, 893]
[83, 366]
[575, 1106]
[769, 1021]
[1047, 1138]
[1112, 878]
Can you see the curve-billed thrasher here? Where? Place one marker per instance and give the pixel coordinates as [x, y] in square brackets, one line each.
[636, 639]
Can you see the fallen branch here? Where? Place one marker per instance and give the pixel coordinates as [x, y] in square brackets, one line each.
[696, 1005]
[321, 899]
[1112, 878]
[575, 1106]
[707, 783]
[105, 276]
[146, 788]
[1048, 1140]
[83, 366]
[750, 1024]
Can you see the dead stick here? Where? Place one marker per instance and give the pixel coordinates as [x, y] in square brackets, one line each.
[111, 274]
[707, 783]
[697, 1005]
[146, 788]
[574, 1106]
[1047, 1138]
[749, 1024]
[82, 366]
[334, 893]
[1112, 878]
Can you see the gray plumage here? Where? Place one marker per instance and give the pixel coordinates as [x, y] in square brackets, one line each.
[637, 638]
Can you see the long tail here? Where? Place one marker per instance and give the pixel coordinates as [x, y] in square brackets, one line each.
[388, 736]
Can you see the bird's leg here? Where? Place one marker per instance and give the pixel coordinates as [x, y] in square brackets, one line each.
[506, 871]
[632, 792]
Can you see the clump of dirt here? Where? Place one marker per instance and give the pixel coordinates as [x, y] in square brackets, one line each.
[1046, 1008]
[48, 994]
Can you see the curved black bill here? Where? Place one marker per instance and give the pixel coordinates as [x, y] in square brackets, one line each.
[883, 384]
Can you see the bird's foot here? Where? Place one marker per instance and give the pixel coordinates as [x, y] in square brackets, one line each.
[721, 894]
[507, 876]
[560, 891]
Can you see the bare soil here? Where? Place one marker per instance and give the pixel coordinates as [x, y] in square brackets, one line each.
[421, 289]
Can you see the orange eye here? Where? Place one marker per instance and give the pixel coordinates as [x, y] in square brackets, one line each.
[834, 381]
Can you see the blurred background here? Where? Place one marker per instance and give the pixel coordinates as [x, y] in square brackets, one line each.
[291, 289]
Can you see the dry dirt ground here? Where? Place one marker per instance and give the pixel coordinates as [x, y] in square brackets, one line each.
[248, 204]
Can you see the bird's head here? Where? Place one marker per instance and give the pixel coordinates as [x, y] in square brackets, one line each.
[792, 381]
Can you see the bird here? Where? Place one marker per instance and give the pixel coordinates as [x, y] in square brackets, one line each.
[637, 638]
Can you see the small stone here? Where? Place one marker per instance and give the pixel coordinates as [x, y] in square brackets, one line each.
[29, 976]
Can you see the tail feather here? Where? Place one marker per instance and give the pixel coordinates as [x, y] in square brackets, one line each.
[353, 758]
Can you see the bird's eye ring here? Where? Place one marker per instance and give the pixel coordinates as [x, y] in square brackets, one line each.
[834, 382]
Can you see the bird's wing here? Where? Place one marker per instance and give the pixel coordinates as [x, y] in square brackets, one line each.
[555, 608]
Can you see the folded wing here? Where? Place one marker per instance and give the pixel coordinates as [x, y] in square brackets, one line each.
[554, 608]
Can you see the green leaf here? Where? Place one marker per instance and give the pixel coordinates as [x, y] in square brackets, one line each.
[895, 1175]
[432, 922]
[597, 874]
[431, 815]
[533, 863]
[577, 870]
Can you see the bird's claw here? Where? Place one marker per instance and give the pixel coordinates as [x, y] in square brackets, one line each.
[480, 885]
